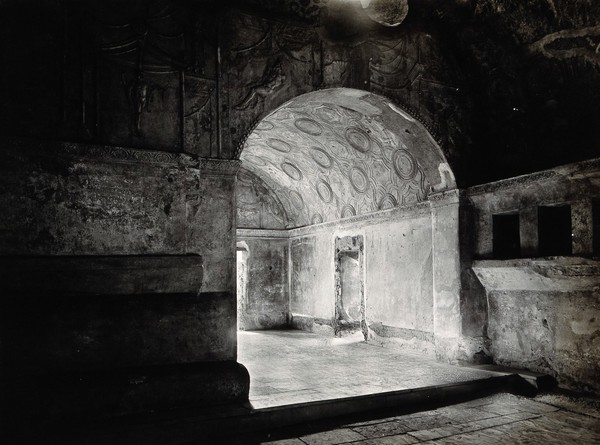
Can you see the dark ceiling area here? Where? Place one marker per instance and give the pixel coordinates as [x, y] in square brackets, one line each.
[506, 87]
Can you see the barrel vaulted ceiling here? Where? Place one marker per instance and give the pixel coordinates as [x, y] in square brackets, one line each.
[336, 153]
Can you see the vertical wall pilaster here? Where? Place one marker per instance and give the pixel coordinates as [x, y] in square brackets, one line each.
[528, 231]
[459, 306]
[582, 227]
[215, 213]
[446, 265]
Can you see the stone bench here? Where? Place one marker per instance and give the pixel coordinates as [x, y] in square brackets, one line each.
[99, 336]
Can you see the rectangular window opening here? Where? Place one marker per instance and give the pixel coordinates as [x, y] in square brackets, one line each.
[506, 237]
[554, 230]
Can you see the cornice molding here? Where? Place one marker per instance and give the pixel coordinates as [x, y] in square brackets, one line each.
[445, 197]
[262, 233]
[506, 184]
[219, 167]
[575, 170]
[384, 216]
[419, 209]
[101, 153]
[111, 153]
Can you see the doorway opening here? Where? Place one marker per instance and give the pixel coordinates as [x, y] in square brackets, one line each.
[350, 304]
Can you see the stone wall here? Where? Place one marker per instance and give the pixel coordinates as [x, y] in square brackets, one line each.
[107, 235]
[78, 199]
[542, 311]
[264, 301]
[573, 184]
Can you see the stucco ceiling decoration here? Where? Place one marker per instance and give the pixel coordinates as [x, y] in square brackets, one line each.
[341, 152]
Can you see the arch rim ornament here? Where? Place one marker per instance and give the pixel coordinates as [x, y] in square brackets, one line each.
[432, 129]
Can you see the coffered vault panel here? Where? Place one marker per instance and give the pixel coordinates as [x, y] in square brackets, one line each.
[337, 153]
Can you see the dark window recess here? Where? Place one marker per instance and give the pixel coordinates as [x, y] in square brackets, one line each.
[507, 241]
[596, 225]
[554, 230]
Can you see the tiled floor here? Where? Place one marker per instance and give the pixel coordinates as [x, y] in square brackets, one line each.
[289, 367]
[498, 419]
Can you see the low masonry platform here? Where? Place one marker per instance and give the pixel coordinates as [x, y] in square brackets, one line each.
[289, 367]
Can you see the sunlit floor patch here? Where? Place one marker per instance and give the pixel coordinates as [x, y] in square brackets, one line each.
[288, 367]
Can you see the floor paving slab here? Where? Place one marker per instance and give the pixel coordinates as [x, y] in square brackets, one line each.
[549, 425]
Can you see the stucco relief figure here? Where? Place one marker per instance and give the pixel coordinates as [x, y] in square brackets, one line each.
[272, 81]
[137, 93]
[583, 43]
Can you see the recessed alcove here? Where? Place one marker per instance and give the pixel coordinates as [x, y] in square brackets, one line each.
[340, 182]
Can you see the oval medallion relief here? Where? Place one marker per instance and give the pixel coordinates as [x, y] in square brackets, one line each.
[324, 191]
[321, 157]
[404, 164]
[308, 126]
[348, 211]
[388, 202]
[296, 199]
[291, 170]
[358, 139]
[359, 179]
[279, 145]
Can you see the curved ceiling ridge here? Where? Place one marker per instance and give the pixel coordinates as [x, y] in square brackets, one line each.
[340, 152]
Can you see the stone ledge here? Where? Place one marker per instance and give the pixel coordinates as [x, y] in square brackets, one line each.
[100, 274]
[539, 274]
[538, 381]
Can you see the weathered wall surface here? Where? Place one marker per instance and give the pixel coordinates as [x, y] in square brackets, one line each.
[257, 206]
[398, 271]
[574, 184]
[312, 279]
[544, 315]
[72, 199]
[549, 332]
[60, 203]
[97, 206]
[265, 304]
[542, 312]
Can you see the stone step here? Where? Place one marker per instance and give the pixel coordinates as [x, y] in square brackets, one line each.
[183, 427]
[538, 381]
